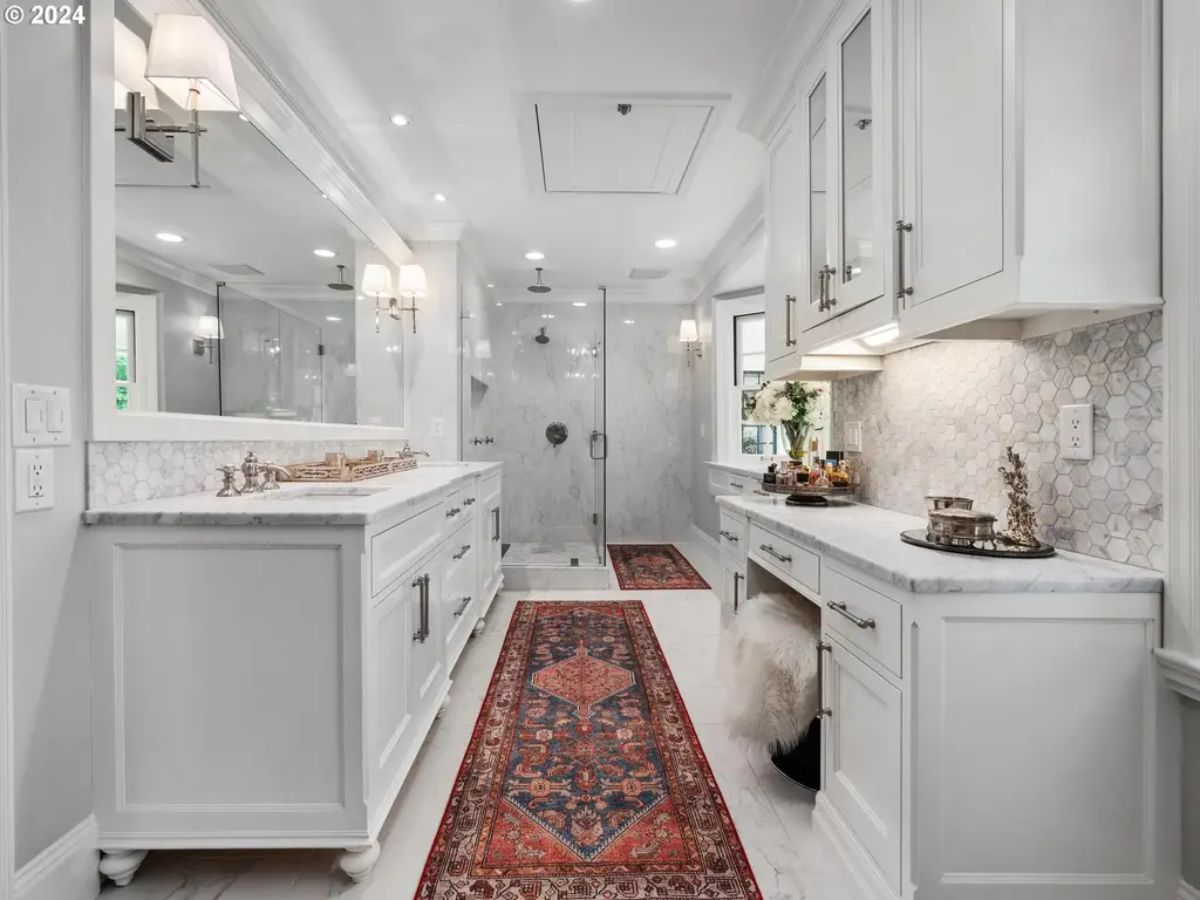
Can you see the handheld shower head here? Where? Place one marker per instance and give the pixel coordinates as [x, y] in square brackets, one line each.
[541, 337]
[539, 288]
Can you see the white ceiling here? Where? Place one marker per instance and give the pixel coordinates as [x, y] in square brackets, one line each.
[468, 74]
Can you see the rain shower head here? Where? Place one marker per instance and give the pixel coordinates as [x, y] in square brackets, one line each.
[340, 284]
[541, 337]
[539, 288]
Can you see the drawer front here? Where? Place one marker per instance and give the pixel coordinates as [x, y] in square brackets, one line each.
[721, 483]
[404, 544]
[785, 558]
[460, 556]
[733, 535]
[864, 617]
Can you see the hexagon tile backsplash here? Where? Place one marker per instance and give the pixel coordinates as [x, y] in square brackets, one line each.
[937, 419]
[148, 470]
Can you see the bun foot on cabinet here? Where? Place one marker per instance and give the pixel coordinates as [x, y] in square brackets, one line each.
[119, 866]
[445, 706]
[479, 626]
[357, 862]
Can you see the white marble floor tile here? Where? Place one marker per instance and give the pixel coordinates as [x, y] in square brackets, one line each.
[773, 816]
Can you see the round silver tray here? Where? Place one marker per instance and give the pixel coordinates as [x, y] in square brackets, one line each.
[997, 547]
[809, 490]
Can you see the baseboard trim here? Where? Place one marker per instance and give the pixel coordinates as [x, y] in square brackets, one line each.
[66, 870]
[705, 538]
[1187, 892]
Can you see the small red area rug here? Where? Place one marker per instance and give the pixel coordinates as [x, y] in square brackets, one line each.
[654, 567]
[584, 777]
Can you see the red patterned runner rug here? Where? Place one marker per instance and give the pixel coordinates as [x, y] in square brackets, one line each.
[654, 567]
[584, 777]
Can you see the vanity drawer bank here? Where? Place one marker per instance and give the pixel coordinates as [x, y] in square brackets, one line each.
[990, 727]
[267, 667]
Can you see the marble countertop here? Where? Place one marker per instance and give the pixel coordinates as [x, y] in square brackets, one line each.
[868, 538]
[740, 468]
[308, 503]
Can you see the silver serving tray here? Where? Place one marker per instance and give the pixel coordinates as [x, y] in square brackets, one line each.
[996, 547]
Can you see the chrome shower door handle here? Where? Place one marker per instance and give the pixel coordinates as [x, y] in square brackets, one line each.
[601, 438]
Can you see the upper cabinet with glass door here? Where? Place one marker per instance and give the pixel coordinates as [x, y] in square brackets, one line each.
[989, 167]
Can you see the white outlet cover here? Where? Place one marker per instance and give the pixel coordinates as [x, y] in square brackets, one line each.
[1076, 431]
[33, 482]
[54, 428]
[852, 437]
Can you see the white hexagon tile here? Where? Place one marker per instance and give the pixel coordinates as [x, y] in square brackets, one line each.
[147, 470]
[938, 417]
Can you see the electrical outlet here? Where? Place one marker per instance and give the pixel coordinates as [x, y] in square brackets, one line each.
[852, 437]
[437, 426]
[34, 482]
[1075, 431]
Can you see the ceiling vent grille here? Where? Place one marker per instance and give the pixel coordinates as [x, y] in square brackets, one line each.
[241, 270]
[639, 274]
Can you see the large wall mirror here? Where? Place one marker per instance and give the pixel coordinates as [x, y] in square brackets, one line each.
[239, 285]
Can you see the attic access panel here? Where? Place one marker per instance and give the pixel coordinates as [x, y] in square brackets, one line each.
[588, 146]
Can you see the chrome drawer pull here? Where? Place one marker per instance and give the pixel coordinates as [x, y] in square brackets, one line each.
[470, 501]
[857, 620]
[734, 484]
[767, 548]
[466, 601]
[729, 536]
[466, 548]
[453, 511]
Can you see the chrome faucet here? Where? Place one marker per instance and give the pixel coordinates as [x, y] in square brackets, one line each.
[406, 452]
[251, 469]
[272, 472]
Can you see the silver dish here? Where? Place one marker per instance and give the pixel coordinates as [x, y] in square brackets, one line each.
[951, 526]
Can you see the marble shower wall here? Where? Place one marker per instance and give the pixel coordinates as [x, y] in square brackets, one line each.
[120, 472]
[937, 419]
[551, 492]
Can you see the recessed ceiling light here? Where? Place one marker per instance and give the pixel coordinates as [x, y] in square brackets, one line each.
[666, 243]
[498, 303]
[324, 253]
[169, 237]
[439, 197]
[333, 318]
[400, 120]
[629, 321]
[579, 303]
[535, 256]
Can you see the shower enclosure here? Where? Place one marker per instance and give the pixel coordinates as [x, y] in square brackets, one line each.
[533, 397]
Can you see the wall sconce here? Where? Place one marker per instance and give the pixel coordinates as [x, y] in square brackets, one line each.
[377, 282]
[689, 336]
[189, 62]
[413, 285]
[210, 330]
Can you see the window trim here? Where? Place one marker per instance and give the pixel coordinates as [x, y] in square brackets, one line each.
[727, 395]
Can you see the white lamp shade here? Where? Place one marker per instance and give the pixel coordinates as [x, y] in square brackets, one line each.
[185, 53]
[412, 280]
[210, 328]
[376, 280]
[129, 68]
[688, 332]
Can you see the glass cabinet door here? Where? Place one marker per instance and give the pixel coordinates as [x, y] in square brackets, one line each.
[819, 267]
[861, 233]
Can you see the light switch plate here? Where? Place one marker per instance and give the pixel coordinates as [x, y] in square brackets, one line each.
[852, 437]
[33, 486]
[1076, 436]
[41, 416]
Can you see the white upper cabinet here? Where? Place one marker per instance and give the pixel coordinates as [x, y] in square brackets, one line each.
[1030, 159]
[987, 168]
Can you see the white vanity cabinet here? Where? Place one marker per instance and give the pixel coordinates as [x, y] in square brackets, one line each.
[989, 727]
[270, 684]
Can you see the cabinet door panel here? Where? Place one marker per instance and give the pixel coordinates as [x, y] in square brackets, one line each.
[953, 73]
[785, 215]
[863, 753]
[811, 310]
[391, 717]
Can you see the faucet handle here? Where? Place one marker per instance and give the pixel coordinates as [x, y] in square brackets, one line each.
[228, 488]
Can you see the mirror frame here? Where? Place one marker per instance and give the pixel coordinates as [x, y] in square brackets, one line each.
[271, 110]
